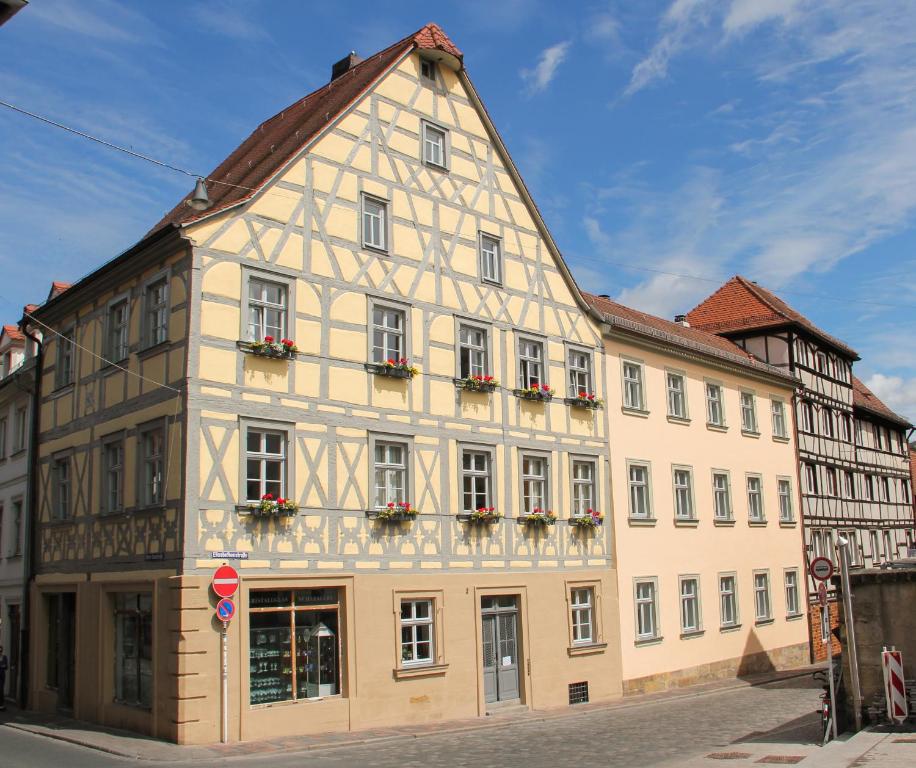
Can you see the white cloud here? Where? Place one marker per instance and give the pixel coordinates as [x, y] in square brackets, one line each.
[746, 14]
[896, 392]
[539, 78]
[229, 19]
[108, 21]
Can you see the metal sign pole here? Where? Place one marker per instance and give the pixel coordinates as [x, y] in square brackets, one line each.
[224, 735]
[829, 640]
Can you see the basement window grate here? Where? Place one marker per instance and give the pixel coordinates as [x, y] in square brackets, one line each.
[578, 693]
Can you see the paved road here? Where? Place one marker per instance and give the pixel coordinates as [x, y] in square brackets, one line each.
[649, 734]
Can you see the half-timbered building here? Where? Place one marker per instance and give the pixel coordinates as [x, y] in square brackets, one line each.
[852, 451]
[359, 375]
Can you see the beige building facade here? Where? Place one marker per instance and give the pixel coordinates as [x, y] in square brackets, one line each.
[369, 385]
[710, 559]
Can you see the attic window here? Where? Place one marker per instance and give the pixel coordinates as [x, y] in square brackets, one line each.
[428, 70]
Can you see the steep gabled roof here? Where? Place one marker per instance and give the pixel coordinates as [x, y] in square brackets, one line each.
[866, 400]
[694, 339]
[12, 333]
[277, 140]
[742, 305]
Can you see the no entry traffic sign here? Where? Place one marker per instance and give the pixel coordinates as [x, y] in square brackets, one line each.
[225, 581]
[225, 609]
[821, 568]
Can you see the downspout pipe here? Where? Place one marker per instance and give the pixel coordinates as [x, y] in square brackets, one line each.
[31, 521]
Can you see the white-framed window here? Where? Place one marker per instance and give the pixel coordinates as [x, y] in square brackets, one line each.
[375, 223]
[417, 632]
[715, 411]
[534, 483]
[811, 479]
[61, 497]
[390, 473]
[472, 351]
[476, 480]
[640, 500]
[855, 552]
[530, 363]
[65, 357]
[849, 484]
[832, 486]
[807, 417]
[388, 334]
[890, 550]
[677, 395]
[156, 312]
[875, 549]
[113, 475]
[633, 386]
[646, 591]
[827, 422]
[885, 489]
[583, 486]
[778, 409]
[905, 491]
[20, 436]
[428, 70]
[152, 466]
[784, 494]
[580, 373]
[118, 330]
[435, 145]
[754, 498]
[691, 620]
[683, 493]
[748, 413]
[792, 600]
[870, 487]
[728, 600]
[821, 362]
[762, 610]
[846, 427]
[265, 463]
[721, 495]
[491, 250]
[582, 608]
[267, 309]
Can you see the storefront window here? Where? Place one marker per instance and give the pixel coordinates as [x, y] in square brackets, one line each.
[134, 648]
[295, 644]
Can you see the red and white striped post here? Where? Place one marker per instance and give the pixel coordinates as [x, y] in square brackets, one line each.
[894, 691]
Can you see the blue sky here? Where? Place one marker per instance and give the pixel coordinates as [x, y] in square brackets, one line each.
[771, 138]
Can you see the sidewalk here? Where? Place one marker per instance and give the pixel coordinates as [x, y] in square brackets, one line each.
[131, 745]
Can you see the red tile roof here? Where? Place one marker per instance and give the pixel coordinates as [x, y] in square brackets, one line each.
[277, 140]
[866, 400]
[13, 333]
[692, 338]
[57, 288]
[742, 305]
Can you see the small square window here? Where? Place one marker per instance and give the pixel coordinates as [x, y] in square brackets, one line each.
[428, 70]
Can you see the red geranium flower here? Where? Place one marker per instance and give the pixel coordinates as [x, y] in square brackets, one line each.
[281, 501]
[268, 497]
[269, 339]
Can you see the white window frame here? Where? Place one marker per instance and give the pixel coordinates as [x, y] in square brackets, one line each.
[730, 597]
[66, 357]
[811, 479]
[579, 371]
[765, 593]
[113, 475]
[784, 498]
[582, 615]
[490, 255]
[367, 225]
[155, 313]
[717, 495]
[385, 493]
[676, 396]
[832, 484]
[477, 355]
[427, 129]
[531, 369]
[651, 602]
[754, 518]
[633, 385]
[117, 334]
[584, 489]
[715, 403]
[266, 458]
[414, 624]
[778, 415]
[151, 469]
[531, 497]
[748, 413]
[262, 306]
[793, 598]
[685, 598]
[473, 474]
[645, 484]
[684, 507]
[827, 422]
[379, 354]
[62, 487]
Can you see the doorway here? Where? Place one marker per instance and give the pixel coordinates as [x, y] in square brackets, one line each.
[13, 656]
[61, 647]
[499, 625]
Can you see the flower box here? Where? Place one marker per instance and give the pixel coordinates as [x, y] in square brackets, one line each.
[396, 369]
[477, 384]
[481, 516]
[585, 400]
[539, 393]
[268, 506]
[393, 512]
[591, 519]
[285, 349]
[538, 517]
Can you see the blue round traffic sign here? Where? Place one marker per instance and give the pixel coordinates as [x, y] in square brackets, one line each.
[225, 609]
